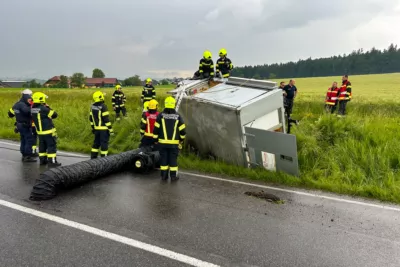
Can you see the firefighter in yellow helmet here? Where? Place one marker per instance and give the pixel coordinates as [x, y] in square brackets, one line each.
[43, 116]
[101, 126]
[169, 131]
[147, 124]
[224, 64]
[118, 100]
[148, 92]
[206, 66]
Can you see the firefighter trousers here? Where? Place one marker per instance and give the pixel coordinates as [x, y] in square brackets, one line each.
[35, 137]
[288, 105]
[342, 107]
[147, 141]
[118, 109]
[47, 147]
[100, 144]
[331, 108]
[168, 161]
[26, 139]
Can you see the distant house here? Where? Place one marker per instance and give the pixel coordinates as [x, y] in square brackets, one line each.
[101, 82]
[12, 84]
[54, 81]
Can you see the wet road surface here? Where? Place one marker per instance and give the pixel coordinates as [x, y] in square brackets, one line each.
[210, 220]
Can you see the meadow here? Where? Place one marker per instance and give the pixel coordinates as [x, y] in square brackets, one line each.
[356, 155]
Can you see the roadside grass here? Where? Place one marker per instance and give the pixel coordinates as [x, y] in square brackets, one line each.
[357, 155]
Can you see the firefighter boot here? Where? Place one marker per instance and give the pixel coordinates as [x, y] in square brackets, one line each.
[53, 162]
[28, 159]
[43, 160]
[164, 175]
[93, 155]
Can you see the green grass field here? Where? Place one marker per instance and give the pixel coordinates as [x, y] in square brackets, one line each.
[356, 155]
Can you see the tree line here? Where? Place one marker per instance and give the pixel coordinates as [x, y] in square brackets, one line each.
[78, 80]
[374, 61]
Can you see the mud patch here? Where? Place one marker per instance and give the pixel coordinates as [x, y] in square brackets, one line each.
[263, 195]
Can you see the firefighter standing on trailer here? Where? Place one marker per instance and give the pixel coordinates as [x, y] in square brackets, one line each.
[23, 125]
[331, 100]
[118, 102]
[147, 124]
[206, 66]
[101, 126]
[224, 64]
[148, 92]
[345, 95]
[43, 117]
[169, 132]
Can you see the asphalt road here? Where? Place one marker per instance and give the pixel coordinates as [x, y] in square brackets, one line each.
[203, 218]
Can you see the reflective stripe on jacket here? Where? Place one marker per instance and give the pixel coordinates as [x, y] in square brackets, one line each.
[43, 116]
[169, 128]
[147, 123]
[99, 117]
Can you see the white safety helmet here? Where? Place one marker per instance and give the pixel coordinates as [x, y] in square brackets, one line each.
[27, 92]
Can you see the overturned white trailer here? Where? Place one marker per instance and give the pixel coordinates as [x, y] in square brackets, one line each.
[240, 121]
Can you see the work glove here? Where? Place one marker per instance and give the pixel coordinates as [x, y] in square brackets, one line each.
[16, 129]
[93, 131]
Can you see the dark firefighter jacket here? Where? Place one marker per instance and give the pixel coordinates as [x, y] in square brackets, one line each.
[43, 116]
[345, 91]
[118, 99]
[99, 117]
[21, 111]
[148, 92]
[224, 65]
[169, 128]
[147, 123]
[206, 66]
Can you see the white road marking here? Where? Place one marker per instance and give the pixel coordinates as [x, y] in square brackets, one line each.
[275, 188]
[294, 192]
[118, 238]
[61, 153]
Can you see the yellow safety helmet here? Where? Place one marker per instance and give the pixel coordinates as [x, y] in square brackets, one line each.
[207, 55]
[145, 106]
[39, 98]
[153, 104]
[170, 102]
[98, 96]
[148, 80]
[118, 86]
[223, 52]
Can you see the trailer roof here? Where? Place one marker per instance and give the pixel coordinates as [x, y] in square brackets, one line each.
[230, 95]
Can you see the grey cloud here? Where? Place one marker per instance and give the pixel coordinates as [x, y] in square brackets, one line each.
[157, 38]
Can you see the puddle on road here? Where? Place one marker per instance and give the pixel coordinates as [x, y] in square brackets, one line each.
[263, 195]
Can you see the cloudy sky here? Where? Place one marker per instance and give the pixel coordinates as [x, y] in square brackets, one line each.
[166, 38]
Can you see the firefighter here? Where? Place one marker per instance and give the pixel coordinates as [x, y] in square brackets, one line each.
[224, 64]
[147, 124]
[101, 126]
[43, 117]
[345, 95]
[118, 102]
[34, 134]
[169, 132]
[206, 66]
[148, 92]
[23, 125]
[331, 100]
